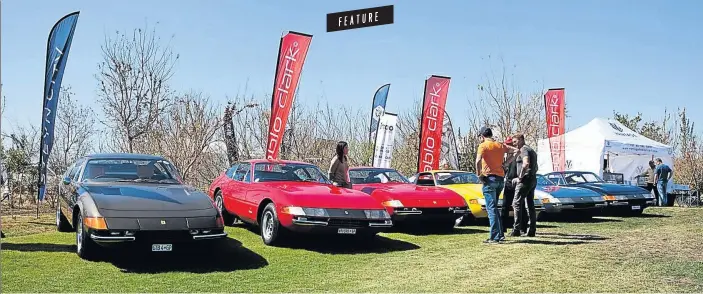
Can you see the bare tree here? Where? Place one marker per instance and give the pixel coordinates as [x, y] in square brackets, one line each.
[186, 132]
[74, 131]
[133, 83]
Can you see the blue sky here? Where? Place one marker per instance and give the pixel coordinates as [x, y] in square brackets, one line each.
[626, 55]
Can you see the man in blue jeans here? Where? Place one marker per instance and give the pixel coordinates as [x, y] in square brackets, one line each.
[489, 167]
[662, 175]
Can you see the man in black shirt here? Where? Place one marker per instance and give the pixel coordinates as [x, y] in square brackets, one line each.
[510, 167]
[525, 184]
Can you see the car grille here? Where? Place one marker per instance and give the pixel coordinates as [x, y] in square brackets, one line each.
[347, 223]
[429, 211]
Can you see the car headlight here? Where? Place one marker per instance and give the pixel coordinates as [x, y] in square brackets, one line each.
[294, 210]
[320, 212]
[648, 195]
[621, 197]
[482, 201]
[376, 214]
[392, 203]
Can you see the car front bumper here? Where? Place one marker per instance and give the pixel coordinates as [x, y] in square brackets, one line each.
[112, 237]
[630, 204]
[320, 225]
[559, 207]
[428, 214]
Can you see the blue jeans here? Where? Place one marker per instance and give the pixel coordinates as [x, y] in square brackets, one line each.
[661, 188]
[490, 193]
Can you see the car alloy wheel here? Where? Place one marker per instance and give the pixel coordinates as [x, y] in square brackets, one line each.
[79, 235]
[218, 203]
[267, 225]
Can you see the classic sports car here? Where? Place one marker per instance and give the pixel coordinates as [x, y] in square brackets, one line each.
[286, 196]
[409, 203]
[465, 184]
[556, 199]
[632, 199]
[123, 198]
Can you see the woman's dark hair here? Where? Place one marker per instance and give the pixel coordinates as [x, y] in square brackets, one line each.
[340, 150]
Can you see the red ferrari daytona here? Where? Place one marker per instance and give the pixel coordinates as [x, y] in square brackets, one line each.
[407, 203]
[285, 196]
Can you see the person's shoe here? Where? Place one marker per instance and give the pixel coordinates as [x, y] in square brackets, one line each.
[515, 234]
[531, 234]
[489, 241]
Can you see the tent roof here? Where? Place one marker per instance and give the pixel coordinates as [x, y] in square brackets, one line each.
[603, 129]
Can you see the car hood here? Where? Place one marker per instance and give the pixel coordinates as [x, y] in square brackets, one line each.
[146, 197]
[317, 195]
[468, 191]
[414, 195]
[613, 189]
[568, 192]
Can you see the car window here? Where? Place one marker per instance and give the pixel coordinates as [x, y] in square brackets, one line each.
[129, 170]
[425, 179]
[76, 171]
[371, 176]
[556, 179]
[241, 173]
[288, 172]
[454, 178]
[230, 171]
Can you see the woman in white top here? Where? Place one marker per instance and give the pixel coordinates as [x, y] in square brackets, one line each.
[339, 167]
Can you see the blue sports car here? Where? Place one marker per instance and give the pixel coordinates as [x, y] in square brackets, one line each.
[630, 199]
[556, 198]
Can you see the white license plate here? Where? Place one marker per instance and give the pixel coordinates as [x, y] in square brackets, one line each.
[161, 247]
[636, 207]
[346, 231]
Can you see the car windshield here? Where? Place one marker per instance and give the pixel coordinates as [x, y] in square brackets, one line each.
[376, 175]
[455, 178]
[543, 181]
[288, 172]
[131, 170]
[580, 178]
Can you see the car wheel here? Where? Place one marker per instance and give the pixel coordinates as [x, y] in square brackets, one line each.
[85, 247]
[62, 224]
[227, 217]
[271, 231]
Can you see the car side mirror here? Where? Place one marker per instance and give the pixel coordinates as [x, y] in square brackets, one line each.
[66, 180]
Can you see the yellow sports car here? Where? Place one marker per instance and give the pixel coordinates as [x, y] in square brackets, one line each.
[465, 184]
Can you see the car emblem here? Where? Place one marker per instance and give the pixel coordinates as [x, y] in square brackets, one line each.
[434, 202]
[346, 212]
[163, 222]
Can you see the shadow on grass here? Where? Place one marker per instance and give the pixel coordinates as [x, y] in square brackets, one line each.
[420, 231]
[348, 245]
[571, 236]
[647, 215]
[549, 242]
[38, 247]
[227, 256]
[576, 218]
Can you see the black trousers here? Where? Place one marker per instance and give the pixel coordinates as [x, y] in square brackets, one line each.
[525, 196]
[508, 197]
[652, 186]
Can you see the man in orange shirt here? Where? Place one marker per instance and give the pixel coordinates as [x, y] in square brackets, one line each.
[489, 166]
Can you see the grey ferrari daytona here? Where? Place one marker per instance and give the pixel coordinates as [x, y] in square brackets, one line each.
[140, 200]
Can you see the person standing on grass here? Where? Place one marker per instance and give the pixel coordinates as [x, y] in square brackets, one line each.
[339, 167]
[651, 183]
[489, 166]
[662, 175]
[525, 185]
[510, 169]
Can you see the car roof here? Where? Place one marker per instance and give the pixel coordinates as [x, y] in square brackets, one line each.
[135, 156]
[371, 167]
[275, 161]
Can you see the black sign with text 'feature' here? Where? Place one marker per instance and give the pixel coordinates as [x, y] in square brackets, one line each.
[361, 18]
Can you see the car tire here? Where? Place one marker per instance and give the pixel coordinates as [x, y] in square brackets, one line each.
[62, 224]
[86, 248]
[270, 228]
[227, 217]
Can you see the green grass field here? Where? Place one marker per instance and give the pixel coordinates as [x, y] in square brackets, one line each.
[659, 252]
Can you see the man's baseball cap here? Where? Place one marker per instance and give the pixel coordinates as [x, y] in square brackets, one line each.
[485, 132]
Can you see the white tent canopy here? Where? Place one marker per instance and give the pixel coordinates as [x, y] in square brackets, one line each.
[586, 147]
